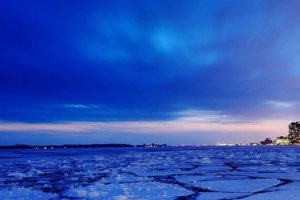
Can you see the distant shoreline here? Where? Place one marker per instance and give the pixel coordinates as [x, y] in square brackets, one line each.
[23, 146]
[63, 146]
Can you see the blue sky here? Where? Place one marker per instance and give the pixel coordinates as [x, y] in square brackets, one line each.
[148, 71]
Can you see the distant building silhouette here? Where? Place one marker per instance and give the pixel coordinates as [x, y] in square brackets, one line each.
[281, 140]
[294, 132]
[267, 141]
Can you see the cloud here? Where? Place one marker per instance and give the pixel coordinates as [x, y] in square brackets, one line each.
[280, 104]
[75, 106]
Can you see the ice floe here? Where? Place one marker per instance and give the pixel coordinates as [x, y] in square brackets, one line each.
[290, 186]
[276, 195]
[121, 178]
[265, 168]
[139, 190]
[163, 173]
[211, 168]
[195, 178]
[280, 176]
[247, 185]
[220, 195]
[24, 194]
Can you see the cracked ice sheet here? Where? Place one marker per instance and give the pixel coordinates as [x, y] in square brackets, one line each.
[248, 185]
[270, 168]
[123, 178]
[211, 168]
[191, 179]
[281, 176]
[220, 195]
[140, 190]
[207, 177]
[169, 166]
[163, 173]
[25, 194]
[198, 170]
[277, 195]
[290, 186]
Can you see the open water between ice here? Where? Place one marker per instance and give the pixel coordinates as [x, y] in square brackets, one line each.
[199, 173]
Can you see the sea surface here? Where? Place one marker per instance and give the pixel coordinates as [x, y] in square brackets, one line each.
[252, 172]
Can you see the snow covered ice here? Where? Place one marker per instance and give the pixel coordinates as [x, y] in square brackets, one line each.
[194, 173]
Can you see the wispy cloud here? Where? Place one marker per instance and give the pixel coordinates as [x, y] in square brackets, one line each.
[75, 106]
[280, 104]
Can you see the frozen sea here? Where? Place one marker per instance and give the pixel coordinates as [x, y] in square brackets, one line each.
[196, 173]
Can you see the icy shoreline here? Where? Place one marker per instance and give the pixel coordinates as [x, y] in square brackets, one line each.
[141, 173]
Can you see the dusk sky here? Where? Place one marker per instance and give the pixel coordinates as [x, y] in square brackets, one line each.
[192, 72]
